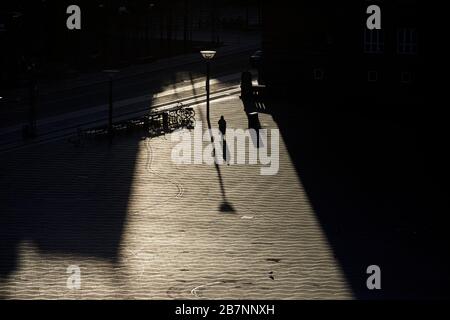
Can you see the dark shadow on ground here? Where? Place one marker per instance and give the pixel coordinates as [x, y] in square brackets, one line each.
[71, 199]
[67, 198]
[372, 176]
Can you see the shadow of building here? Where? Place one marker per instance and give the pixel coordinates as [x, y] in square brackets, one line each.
[351, 108]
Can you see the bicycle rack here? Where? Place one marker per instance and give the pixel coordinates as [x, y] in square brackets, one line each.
[153, 124]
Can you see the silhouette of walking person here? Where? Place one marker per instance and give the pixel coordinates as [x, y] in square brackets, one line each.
[223, 129]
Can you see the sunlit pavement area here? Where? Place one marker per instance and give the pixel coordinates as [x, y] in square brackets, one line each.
[141, 227]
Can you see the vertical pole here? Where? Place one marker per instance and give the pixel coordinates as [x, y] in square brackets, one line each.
[33, 101]
[110, 116]
[185, 23]
[207, 89]
[33, 106]
[247, 15]
[213, 21]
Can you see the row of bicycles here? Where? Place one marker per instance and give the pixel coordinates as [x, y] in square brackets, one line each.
[153, 124]
[181, 117]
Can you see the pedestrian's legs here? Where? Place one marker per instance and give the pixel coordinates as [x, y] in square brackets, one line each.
[224, 145]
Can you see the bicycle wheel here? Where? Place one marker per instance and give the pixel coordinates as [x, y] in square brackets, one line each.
[179, 112]
[190, 123]
[190, 112]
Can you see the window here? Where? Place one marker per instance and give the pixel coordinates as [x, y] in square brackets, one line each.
[318, 74]
[373, 41]
[406, 77]
[407, 41]
[372, 76]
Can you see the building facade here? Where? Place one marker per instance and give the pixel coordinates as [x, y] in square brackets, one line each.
[325, 47]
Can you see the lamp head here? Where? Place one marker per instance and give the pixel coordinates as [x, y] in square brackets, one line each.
[208, 54]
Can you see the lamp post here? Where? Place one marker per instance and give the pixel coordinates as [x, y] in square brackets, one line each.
[207, 55]
[31, 129]
[110, 109]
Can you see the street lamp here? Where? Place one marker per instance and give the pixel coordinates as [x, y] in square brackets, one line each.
[207, 55]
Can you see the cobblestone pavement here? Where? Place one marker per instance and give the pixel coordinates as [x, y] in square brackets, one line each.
[141, 227]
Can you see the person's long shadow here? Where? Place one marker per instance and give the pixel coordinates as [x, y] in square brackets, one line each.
[371, 194]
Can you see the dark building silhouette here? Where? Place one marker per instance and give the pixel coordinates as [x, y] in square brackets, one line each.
[325, 45]
[367, 137]
[113, 33]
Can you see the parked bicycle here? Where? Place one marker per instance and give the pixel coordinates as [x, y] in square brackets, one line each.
[153, 124]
